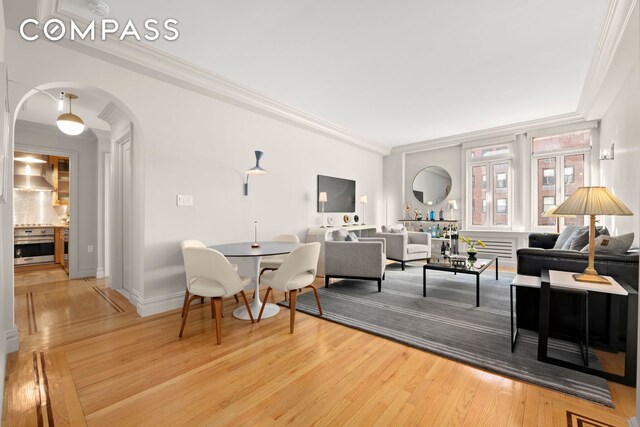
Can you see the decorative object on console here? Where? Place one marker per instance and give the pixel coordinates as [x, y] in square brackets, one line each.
[407, 209]
[418, 215]
[322, 198]
[452, 205]
[256, 170]
[356, 218]
[255, 243]
[607, 154]
[69, 123]
[346, 219]
[330, 220]
[592, 201]
[472, 251]
[441, 215]
[364, 200]
[551, 213]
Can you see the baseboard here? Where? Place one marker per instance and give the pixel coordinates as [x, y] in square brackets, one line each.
[633, 422]
[87, 272]
[100, 273]
[151, 306]
[13, 339]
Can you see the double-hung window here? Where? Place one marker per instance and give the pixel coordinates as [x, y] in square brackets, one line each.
[489, 186]
[565, 156]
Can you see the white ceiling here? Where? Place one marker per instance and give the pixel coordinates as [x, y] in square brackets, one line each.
[396, 72]
[40, 108]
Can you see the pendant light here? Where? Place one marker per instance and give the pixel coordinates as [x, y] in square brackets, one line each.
[69, 123]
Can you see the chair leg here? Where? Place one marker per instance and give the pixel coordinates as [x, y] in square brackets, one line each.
[315, 292]
[293, 297]
[186, 313]
[326, 281]
[402, 265]
[264, 302]
[246, 304]
[285, 296]
[379, 285]
[186, 299]
[236, 297]
[201, 300]
[218, 304]
[213, 309]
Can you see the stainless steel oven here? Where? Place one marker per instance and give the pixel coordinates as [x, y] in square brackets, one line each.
[33, 246]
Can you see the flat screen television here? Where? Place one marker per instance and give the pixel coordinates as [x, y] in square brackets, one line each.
[341, 194]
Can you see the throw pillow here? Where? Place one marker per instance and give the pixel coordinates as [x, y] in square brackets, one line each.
[351, 237]
[580, 232]
[564, 236]
[339, 235]
[392, 228]
[616, 245]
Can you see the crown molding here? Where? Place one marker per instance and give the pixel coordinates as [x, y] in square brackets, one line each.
[616, 20]
[110, 113]
[496, 133]
[147, 60]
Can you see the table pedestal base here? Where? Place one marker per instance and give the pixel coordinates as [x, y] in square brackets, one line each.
[269, 311]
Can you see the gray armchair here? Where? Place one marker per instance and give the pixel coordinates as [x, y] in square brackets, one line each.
[409, 246]
[364, 260]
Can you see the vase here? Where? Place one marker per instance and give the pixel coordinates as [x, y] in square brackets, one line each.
[472, 253]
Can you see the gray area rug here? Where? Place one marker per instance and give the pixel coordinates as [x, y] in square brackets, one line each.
[447, 323]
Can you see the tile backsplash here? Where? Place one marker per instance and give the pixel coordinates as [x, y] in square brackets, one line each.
[35, 207]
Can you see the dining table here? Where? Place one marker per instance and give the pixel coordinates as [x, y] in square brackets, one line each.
[248, 250]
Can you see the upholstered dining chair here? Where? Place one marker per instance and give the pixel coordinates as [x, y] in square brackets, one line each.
[211, 275]
[192, 243]
[298, 271]
[275, 261]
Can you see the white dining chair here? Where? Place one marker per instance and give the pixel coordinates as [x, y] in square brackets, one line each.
[298, 271]
[212, 275]
[274, 262]
[192, 243]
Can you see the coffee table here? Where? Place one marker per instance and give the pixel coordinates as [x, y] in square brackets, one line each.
[476, 268]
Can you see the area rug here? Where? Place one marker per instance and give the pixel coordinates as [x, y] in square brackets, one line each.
[448, 323]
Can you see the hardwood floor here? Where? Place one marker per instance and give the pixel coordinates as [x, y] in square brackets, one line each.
[86, 358]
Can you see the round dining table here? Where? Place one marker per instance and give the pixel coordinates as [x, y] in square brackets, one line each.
[245, 250]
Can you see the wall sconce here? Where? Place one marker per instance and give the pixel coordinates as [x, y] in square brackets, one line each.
[607, 154]
[256, 170]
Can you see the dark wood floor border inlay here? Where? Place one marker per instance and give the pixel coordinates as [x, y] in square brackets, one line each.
[45, 384]
[36, 392]
[577, 420]
[106, 297]
[31, 314]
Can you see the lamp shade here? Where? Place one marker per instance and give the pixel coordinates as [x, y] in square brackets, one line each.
[592, 201]
[322, 197]
[551, 213]
[452, 204]
[69, 123]
[257, 169]
[364, 199]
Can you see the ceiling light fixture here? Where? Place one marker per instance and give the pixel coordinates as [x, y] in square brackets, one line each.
[69, 123]
[98, 8]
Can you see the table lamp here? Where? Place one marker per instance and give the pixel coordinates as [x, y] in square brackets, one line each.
[322, 198]
[364, 200]
[453, 205]
[551, 213]
[592, 201]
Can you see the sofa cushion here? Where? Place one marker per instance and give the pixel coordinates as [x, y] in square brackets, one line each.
[351, 237]
[612, 244]
[414, 248]
[339, 235]
[564, 235]
[392, 228]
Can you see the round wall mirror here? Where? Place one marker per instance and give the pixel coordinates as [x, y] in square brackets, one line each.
[432, 185]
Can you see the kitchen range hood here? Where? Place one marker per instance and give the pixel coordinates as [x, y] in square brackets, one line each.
[32, 172]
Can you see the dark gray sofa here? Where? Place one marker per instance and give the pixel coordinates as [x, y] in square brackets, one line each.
[539, 256]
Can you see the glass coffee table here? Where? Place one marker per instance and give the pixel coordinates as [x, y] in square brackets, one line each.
[475, 267]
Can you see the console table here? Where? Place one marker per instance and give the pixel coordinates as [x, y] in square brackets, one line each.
[322, 234]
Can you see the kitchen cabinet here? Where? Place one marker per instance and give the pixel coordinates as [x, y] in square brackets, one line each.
[60, 180]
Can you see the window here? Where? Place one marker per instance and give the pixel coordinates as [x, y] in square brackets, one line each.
[565, 154]
[489, 180]
[547, 202]
[569, 175]
[501, 206]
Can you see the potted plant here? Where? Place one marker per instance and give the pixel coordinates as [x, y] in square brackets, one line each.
[472, 251]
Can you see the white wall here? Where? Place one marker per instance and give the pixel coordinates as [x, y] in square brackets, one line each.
[6, 320]
[621, 125]
[86, 146]
[194, 144]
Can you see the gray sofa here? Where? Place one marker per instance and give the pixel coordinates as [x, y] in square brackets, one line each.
[364, 259]
[540, 256]
[405, 246]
